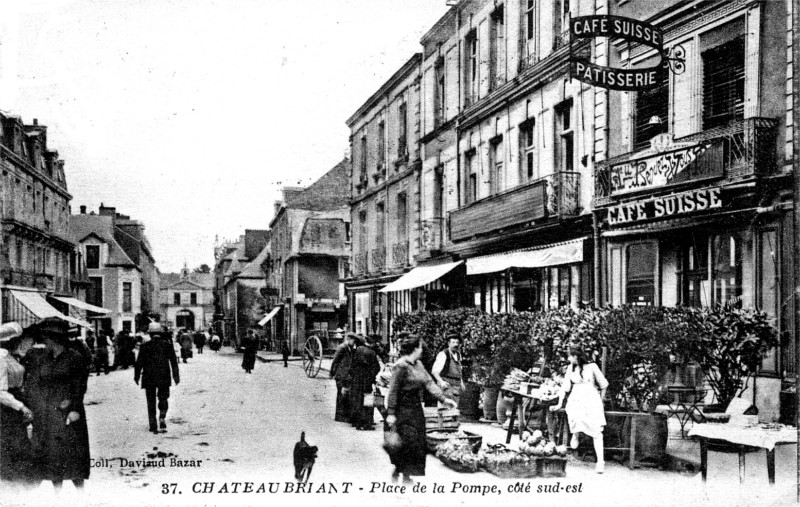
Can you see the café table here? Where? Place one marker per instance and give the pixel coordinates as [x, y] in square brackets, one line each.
[730, 438]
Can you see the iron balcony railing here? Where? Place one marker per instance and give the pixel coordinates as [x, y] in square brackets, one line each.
[737, 150]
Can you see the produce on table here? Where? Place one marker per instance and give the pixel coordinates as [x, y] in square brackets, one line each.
[515, 378]
[548, 390]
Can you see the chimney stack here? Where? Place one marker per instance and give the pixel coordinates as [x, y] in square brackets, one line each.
[83, 210]
[35, 122]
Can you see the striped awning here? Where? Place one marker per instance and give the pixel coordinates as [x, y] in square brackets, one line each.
[28, 308]
[77, 303]
[568, 252]
[419, 276]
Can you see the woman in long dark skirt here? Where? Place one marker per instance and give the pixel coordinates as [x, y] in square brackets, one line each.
[15, 448]
[55, 385]
[404, 404]
[363, 369]
[250, 345]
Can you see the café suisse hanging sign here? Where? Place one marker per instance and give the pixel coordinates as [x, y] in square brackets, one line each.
[616, 27]
[666, 206]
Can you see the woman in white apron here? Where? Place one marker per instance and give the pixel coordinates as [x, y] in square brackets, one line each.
[585, 405]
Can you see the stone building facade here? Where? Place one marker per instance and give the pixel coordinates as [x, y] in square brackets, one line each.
[187, 299]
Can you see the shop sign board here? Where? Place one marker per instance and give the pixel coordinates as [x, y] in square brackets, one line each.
[627, 29]
[666, 206]
[653, 170]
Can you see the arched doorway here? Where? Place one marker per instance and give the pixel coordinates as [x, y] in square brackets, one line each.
[184, 319]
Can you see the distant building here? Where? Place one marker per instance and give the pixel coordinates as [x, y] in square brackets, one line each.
[121, 270]
[239, 278]
[187, 299]
[310, 249]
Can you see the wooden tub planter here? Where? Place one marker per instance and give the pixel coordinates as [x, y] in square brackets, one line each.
[640, 437]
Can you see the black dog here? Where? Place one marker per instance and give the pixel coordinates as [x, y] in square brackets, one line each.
[304, 457]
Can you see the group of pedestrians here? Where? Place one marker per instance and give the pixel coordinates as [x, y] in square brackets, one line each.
[357, 362]
[44, 372]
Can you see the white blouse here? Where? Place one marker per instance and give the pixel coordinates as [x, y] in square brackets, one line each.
[11, 375]
[591, 375]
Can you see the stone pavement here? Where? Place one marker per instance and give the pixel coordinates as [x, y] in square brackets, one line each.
[235, 427]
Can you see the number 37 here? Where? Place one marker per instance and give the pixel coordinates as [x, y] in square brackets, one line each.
[171, 488]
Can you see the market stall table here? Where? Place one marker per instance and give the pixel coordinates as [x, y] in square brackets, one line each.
[732, 438]
[519, 397]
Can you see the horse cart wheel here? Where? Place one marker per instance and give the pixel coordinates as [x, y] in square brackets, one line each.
[312, 356]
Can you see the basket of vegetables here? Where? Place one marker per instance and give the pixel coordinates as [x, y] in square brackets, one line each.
[504, 462]
[550, 460]
[458, 455]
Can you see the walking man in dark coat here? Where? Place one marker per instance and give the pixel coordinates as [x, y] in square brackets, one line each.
[363, 370]
[340, 370]
[250, 345]
[156, 358]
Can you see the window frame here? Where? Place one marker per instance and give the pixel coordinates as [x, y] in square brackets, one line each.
[88, 257]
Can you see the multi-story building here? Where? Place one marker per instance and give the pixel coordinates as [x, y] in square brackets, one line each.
[239, 279]
[116, 280]
[308, 258]
[187, 299]
[385, 168]
[716, 229]
[36, 245]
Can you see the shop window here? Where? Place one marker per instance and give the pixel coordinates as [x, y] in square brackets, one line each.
[559, 286]
[723, 83]
[527, 283]
[727, 270]
[640, 278]
[694, 272]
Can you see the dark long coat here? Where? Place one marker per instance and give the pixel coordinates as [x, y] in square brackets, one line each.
[153, 365]
[363, 369]
[340, 370]
[54, 387]
[250, 345]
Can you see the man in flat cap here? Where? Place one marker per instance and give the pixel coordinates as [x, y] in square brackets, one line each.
[156, 358]
[447, 368]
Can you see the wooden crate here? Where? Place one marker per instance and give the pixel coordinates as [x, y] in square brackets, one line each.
[436, 419]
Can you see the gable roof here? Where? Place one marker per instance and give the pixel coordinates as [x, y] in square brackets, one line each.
[254, 269]
[201, 280]
[83, 226]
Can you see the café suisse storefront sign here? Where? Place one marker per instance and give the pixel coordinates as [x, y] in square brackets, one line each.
[616, 27]
[654, 169]
[665, 206]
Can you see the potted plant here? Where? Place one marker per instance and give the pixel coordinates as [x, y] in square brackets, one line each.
[729, 344]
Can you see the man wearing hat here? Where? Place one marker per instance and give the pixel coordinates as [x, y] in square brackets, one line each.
[447, 368]
[340, 370]
[156, 358]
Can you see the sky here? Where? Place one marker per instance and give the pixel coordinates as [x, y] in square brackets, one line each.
[190, 115]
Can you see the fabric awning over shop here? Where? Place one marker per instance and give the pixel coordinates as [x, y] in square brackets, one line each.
[268, 317]
[39, 309]
[420, 276]
[77, 303]
[568, 252]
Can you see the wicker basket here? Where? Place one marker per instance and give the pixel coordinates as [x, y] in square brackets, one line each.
[434, 441]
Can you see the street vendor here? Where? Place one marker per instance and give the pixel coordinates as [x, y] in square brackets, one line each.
[447, 368]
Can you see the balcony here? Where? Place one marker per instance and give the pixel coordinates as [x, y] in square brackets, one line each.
[360, 263]
[28, 279]
[738, 150]
[556, 196]
[379, 259]
[400, 253]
